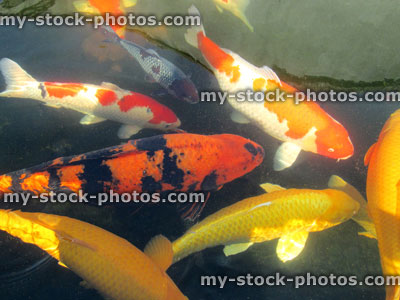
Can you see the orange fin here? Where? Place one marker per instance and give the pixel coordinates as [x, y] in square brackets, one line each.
[159, 249]
[368, 155]
[62, 265]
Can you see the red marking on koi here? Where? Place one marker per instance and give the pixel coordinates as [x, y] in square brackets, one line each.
[106, 97]
[61, 90]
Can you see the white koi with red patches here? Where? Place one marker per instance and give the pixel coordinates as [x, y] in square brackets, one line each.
[303, 126]
[99, 103]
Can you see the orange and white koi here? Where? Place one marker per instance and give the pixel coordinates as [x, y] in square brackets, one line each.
[106, 262]
[99, 103]
[383, 194]
[237, 8]
[289, 215]
[305, 126]
[101, 7]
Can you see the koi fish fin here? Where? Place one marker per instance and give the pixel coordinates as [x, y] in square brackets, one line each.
[159, 249]
[367, 234]
[192, 212]
[368, 155]
[219, 8]
[291, 245]
[286, 155]
[112, 86]
[126, 131]
[271, 75]
[129, 3]
[361, 217]
[191, 35]
[62, 265]
[239, 118]
[269, 187]
[239, 12]
[91, 119]
[84, 6]
[17, 80]
[152, 51]
[236, 248]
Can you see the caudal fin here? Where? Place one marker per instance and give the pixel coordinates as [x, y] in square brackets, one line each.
[17, 80]
[191, 35]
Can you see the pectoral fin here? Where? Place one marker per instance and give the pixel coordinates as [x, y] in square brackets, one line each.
[91, 119]
[159, 249]
[285, 156]
[291, 245]
[239, 118]
[126, 131]
[111, 86]
[269, 187]
[236, 248]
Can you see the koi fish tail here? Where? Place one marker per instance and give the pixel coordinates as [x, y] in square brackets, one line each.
[18, 82]
[192, 34]
[28, 228]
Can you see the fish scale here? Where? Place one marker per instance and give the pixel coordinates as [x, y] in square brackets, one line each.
[383, 182]
[267, 217]
[108, 263]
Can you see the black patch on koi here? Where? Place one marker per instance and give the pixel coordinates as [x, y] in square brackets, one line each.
[171, 173]
[95, 175]
[150, 185]
[249, 147]
[43, 90]
[54, 180]
[210, 182]
[151, 145]
[192, 187]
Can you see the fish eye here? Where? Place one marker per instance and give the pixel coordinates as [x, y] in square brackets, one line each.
[331, 150]
[167, 125]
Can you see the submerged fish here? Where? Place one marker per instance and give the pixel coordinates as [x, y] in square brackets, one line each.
[158, 69]
[100, 7]
[305, 126]
[237, 8]
[285, 214]
[173, 162]
[99, 103]
[383, 194]
[108, 263]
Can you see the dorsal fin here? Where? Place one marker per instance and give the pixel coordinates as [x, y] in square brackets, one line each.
[159, 249]
[368, 155]
[269, 187]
